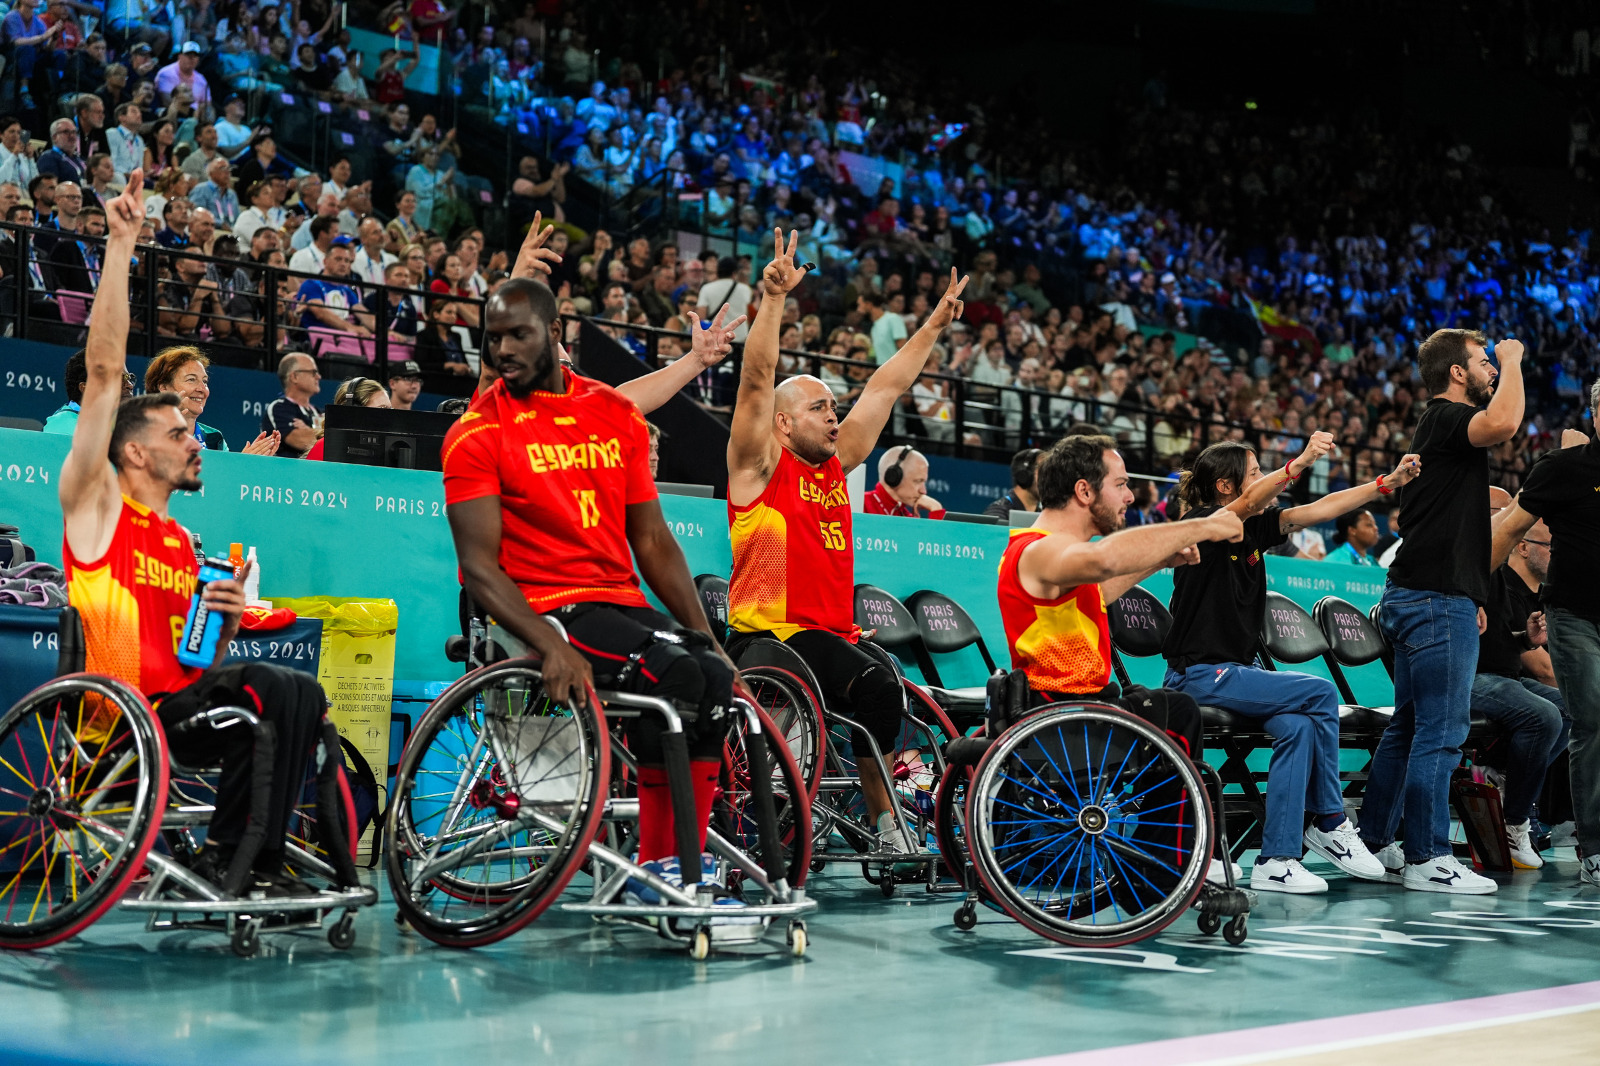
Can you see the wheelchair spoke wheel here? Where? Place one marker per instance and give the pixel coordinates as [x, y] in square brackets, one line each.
[1089, 826]
[950, 822]
[796, 716]
[734, 815]
[83, 780]
[496, 800]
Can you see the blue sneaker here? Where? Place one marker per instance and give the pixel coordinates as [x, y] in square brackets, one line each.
[642, 893]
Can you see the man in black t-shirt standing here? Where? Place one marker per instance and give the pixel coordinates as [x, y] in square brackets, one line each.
[1563, 488]
[1433, 607]
[1516, 686]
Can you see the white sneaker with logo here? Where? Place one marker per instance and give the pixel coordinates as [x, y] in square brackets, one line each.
[1285, 875]
[1218, 874]
[1392, 858]
[1590, 873]
[1446, 874]
[1343, 847]
[1523, 854]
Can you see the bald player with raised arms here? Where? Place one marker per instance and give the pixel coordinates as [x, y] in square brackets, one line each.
[789, 517]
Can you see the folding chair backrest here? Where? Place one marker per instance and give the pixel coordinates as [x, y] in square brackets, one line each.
[945, 627]
[876, 609]
[1288, 633]
[1375, 616]
[714, 598]
[1139, 623]
[1353, 639]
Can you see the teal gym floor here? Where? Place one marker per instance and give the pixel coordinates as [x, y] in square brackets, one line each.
[885, 982]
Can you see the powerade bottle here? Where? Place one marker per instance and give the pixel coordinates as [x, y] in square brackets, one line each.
[198, 648]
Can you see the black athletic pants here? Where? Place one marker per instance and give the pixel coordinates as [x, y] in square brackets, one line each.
[854, 683]
[292, 702]
[689, 674]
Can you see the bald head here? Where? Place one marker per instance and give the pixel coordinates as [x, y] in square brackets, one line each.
[805, 419]
[797, 392]
[1499, 499]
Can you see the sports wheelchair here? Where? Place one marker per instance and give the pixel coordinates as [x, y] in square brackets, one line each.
[503, 796]
[94, 813]
[1082, 822]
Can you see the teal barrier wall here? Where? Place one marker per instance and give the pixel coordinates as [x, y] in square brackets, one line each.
[336, 530]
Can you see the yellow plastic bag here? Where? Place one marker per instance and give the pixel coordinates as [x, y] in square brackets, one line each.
[346, 614]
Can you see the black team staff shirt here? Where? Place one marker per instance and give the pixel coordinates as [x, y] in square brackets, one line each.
[1217, 605]
[1511, 601]
[1446, 536]
[1563, 488]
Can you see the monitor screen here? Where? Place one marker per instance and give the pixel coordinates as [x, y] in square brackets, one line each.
[376, 436]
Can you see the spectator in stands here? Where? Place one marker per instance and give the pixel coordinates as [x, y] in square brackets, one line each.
[404, 229]
[1516, 686]
[136, 24]
[901, 487]
[203, 231]
[29, 39]
[1021, 497]
[1356, 534]
[102, 180]
[1430, 611]
[160, 148]
[292, 415]
[400, 316]
[451, 284]
[429, 184]
[74, 377]
[405, 384]
[232, 133]
[191, 300]
[184, 71]
[888, 330]
[215, 194]
[352, 392]
[438, 347]
[61, 160]
[328, 301]
[124, 142]
[198, 162]
[726, 291]
[75, 264]
[16, 155]
[323, 230]
[260, 213]
[68, 202]
[371, 261]
[183, 370]
[174, 232]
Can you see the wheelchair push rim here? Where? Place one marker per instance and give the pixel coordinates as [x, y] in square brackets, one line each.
[83, 782]
[492, 838]
[733, 813]
[794, 713]
[1088, 826]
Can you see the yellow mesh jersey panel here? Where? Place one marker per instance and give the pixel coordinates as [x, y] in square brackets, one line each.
[758, 598]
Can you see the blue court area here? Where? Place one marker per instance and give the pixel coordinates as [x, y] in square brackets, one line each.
[886, 981]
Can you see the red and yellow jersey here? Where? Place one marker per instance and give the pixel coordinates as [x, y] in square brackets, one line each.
[1064, 644]
[566, 466]
[793, 557]
[134, 600]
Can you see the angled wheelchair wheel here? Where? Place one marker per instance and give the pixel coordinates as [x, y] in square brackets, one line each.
[83, 781]
[496, 799]
[1088, 826]
[734, 814]
[796, 715]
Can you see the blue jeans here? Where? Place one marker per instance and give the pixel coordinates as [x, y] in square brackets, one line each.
[1435, 641]
[1575, 654]
[1535, 716]
[1301, 714]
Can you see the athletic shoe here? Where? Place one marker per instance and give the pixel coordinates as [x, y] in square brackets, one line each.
[639, 892]
[1285, 875]
[1589, 874]
[1344, 849]
[1218, 874]
[1564, 834]
[895, 842]
[1524, 856]
[1446, 874]
[1393, 860]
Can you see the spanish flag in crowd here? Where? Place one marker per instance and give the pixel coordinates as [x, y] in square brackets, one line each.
[1275, 324]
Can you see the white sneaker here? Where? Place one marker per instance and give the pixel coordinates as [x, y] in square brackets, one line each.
[1285, 875]
[1446, 874]
[1590, 873]
[1392, 858]
[1523, 854]
[1218, 875]
[1343, 848]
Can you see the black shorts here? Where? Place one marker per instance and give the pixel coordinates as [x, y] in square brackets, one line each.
[853, 681]
[626, 649]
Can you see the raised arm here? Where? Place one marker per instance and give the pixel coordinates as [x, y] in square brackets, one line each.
[1260, 495]
[752, 449]
[1501, 420]
[1510, 525]
[858, 433]
[711, 344]
[1335, 504]
[1052, 565]
[475, 527]
[90, 496]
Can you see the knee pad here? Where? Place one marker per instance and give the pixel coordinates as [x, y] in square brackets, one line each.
[876, 700]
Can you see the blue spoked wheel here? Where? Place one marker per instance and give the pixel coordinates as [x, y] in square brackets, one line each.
[1089, 826]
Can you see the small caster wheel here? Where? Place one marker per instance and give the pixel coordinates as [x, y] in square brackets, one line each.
[1209, 923]
[400, 920]
[342, 934]
[966, 917]
[818, 865]
[886, 886]
[797, 939]
[700, 944]
[244, 942]
[1236, 930]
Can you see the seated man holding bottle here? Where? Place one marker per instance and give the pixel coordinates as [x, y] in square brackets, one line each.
[132, 574]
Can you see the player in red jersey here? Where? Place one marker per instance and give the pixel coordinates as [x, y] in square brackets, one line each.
[131, 572]
[548, 489]
[789, 516]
